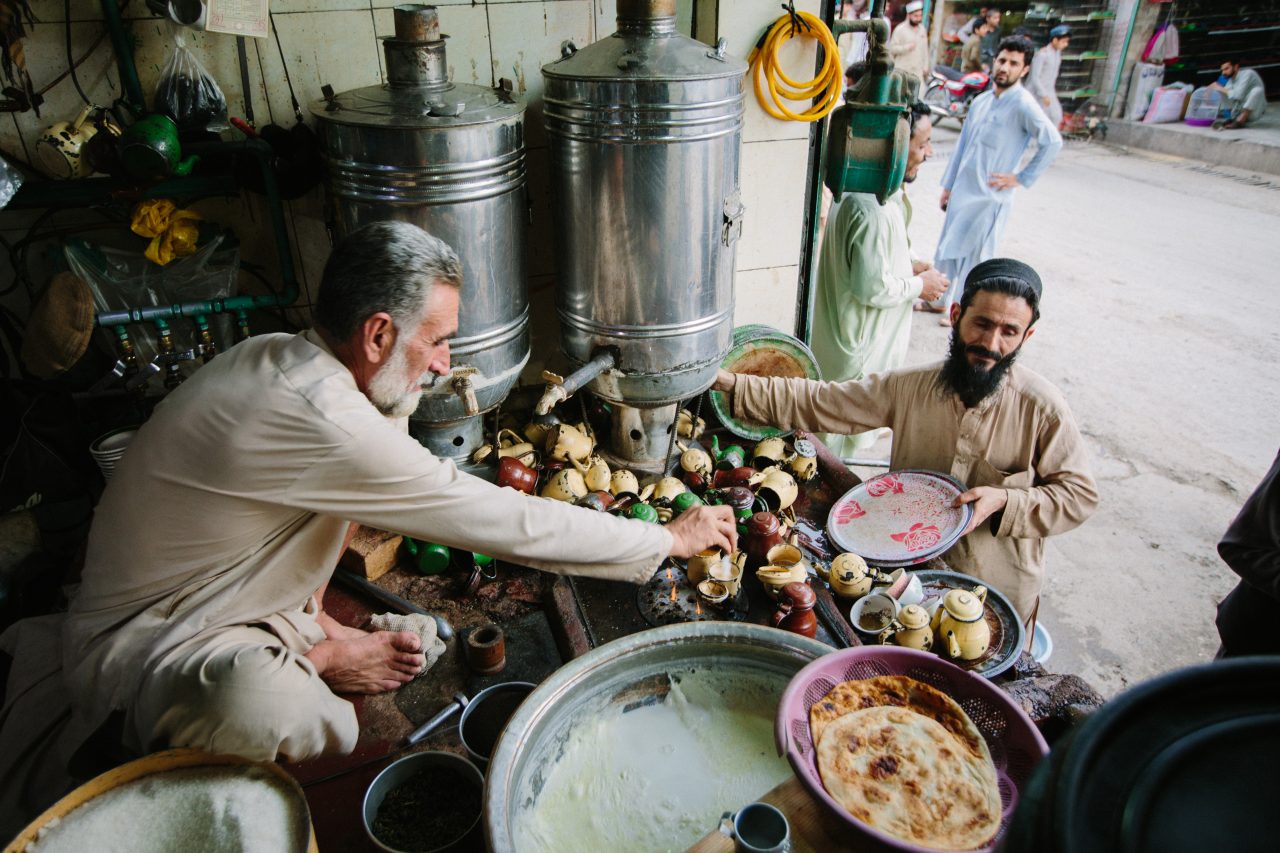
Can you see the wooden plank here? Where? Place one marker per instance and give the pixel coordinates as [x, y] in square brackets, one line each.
[371, 553]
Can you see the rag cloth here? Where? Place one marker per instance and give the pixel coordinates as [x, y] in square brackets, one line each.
[421, 624]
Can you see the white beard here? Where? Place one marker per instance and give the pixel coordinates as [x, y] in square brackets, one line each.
[387, 387]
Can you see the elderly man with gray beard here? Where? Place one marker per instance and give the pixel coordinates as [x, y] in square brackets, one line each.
[198, 620]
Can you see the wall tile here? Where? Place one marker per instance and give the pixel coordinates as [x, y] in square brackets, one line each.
[467, 48]
[46, 59]
[55, 11]
[337, 48]
[527, 36]
[284, 7]
[773, 180]
[766, 296]
[742, 23]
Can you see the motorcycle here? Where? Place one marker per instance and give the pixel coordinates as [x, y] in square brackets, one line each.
[949, 94]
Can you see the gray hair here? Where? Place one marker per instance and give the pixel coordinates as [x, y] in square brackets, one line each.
[384, 266]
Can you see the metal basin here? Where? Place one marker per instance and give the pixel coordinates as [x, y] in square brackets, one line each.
[631, 671]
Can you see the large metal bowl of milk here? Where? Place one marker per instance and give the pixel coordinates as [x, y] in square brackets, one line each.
[643, 743]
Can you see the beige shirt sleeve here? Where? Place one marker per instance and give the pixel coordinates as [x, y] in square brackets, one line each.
[1063, 495]
[385, 479]
[840, 407]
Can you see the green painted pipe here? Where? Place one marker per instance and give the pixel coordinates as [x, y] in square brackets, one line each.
[122, 44]
[1124, 57]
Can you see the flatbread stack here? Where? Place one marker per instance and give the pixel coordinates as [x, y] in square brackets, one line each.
[904, 758]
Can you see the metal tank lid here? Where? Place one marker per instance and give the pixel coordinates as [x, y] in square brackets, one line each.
[455, 106]
[418, 93]
[646, 47]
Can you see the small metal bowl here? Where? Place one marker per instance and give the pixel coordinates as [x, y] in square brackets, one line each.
[404, 769]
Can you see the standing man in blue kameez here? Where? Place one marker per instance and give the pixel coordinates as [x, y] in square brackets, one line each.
[977, 189]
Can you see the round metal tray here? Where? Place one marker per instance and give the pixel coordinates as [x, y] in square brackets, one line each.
[1008, 636]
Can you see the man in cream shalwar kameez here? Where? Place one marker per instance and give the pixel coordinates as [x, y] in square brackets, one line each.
[867, 281]
[977, 188]
[909, 43]
[1017, 448]
[195, 622]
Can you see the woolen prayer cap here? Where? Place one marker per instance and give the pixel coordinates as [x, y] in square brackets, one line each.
[1004, 268]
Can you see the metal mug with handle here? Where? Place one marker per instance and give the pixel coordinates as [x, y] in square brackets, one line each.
[757, 828]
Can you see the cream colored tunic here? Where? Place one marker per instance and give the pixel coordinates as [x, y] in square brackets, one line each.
[228, 511]
[1022, 438]
[909, 47]
[862, 319]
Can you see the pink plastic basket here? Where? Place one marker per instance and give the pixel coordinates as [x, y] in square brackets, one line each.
[1016, 746]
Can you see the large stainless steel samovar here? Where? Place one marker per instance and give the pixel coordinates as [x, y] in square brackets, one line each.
[645, 132]
[448, 157]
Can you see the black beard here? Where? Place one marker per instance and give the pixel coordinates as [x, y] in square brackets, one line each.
[972, 384]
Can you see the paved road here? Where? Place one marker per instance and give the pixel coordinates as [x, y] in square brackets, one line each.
[1160, 325]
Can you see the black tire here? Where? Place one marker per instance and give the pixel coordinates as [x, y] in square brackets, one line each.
[935, 98]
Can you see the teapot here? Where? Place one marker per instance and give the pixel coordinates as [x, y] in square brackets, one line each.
[149, 149]
[597, 474]
[568, 443]
[731, 457]
[769, 451]
[688, 426]
[960, 626]
[804, 465]
[795, 610]
[850, 576]
[623, 480]
[778, 489]
[567, 485]
[695, 460]
[61, 147]
[910, 630]
[664, 490]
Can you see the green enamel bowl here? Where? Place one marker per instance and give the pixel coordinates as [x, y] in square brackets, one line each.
[762, 350]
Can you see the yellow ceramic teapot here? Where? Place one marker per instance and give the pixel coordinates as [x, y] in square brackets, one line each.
[850, 576]
[596, 474]
[910, 630]
[804, 464]
[960, 626]
[623, 480]
[695, 460]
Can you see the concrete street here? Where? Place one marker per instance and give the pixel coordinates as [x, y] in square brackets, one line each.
[1161, 327]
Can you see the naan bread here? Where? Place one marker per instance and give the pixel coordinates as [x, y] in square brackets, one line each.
[907, 776]
[902, 692]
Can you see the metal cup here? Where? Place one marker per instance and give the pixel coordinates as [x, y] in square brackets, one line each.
[757, 828]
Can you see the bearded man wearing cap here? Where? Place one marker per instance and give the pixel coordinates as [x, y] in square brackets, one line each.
[909, 44]
[996, 426]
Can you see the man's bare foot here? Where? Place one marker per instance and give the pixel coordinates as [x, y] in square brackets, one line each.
[335, 630]
[373, 663]
[929, 308]
[944, 321]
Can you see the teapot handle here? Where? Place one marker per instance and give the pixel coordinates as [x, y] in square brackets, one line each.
[981, 593]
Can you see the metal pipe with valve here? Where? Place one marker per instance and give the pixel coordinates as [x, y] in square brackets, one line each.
[559, 390]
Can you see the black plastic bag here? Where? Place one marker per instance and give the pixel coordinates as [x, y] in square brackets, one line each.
[187, 93]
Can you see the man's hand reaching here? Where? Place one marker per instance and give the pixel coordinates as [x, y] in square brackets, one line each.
[703, 527]
[986, 501]
[724, 381]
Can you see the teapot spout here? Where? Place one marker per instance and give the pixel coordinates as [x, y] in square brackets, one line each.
[953, 645]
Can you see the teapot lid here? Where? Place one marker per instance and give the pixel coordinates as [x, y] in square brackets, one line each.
[913, 616]
[849, 565]
[963, 605]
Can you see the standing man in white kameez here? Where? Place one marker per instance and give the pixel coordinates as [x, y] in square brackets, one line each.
[977, 189]
[867, 281]
[909, 44]
[1042, 82]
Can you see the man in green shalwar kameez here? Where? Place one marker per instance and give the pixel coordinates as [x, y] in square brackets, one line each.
[867, 282]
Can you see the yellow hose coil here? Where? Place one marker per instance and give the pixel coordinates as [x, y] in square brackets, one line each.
[824, 89]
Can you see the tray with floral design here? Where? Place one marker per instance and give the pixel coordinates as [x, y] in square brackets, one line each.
[900, 518]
